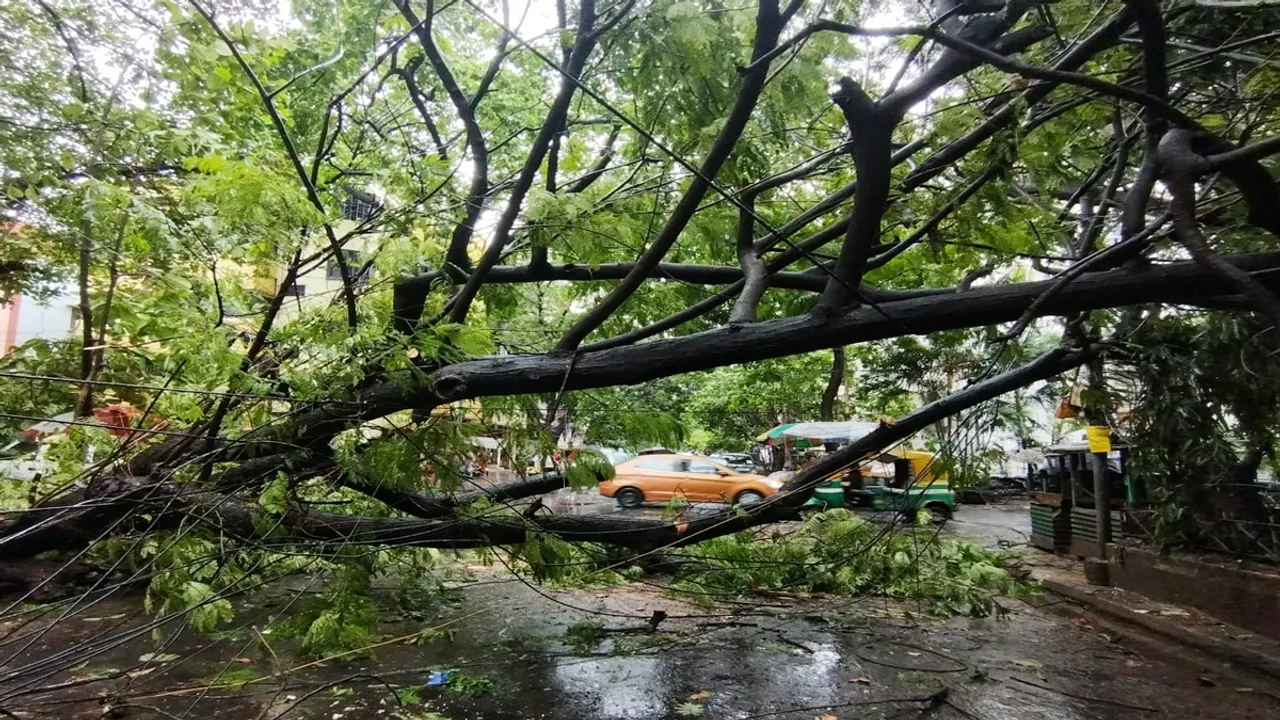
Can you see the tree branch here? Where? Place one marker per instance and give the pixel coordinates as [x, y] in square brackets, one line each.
[1241, 156]
[768, 26]
[551, 127]
[870, 132]
[419, 102]
[835, 379]
[1106, 35]
[755, 276]
[1180, 168]
[478, 192]
[422, 505]
[348, 287]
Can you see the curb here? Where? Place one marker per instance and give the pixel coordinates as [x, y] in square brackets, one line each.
[1242, 657]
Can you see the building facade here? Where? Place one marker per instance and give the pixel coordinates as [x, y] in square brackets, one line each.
[24, 318]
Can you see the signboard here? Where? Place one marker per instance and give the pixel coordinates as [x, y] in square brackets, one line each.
[1099, 438]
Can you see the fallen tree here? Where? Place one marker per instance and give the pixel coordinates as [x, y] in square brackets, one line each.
[849, 311]
[540, 165]
[108, 501]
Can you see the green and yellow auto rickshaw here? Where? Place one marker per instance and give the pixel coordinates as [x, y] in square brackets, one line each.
[900, 480]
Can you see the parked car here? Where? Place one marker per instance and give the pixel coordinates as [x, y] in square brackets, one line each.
[1269, 490]
[649, 478]
[741, 462]
[998, 489]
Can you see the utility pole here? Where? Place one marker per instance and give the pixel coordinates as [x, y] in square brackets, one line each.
[1098, 572]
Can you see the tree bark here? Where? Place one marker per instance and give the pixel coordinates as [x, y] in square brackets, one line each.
[84, 400]
[827, 413]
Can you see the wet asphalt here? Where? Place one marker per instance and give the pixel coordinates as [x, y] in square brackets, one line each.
[776, 656]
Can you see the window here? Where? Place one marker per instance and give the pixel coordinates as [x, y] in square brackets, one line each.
[359, 206]
[703, 468]
[294, 290]
[664, 465]
[355, 266]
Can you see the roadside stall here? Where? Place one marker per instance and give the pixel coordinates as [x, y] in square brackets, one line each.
[781, 447]
[1064, 514]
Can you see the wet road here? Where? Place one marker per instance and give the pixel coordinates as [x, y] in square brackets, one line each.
[993, 526]
[773, 657]
[866, 658]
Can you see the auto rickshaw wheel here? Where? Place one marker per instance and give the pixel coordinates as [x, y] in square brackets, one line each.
[939, 510]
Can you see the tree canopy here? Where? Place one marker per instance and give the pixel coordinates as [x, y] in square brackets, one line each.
[528, 208]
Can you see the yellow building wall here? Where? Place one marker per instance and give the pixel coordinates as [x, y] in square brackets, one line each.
[318, 290]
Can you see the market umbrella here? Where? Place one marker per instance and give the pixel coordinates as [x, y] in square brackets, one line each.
[829, 432]
[779, 436]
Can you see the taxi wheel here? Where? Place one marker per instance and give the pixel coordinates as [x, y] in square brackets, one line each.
[749, 497]
[629, 498]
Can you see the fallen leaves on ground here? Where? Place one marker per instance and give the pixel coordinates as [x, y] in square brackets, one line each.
[700, 696]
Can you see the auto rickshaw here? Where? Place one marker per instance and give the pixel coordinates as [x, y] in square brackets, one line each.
[900, 480]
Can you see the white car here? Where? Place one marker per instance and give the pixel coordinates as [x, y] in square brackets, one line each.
[27, 466]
